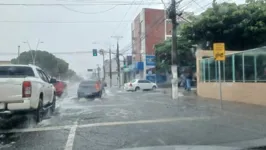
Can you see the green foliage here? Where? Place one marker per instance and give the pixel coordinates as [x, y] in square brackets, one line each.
[163, 54]
[240, 27]
[48, 62]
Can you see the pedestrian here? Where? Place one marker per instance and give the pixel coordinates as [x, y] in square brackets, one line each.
[183, 80]
[188, 81]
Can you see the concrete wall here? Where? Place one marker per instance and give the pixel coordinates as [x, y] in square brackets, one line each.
[253, 93]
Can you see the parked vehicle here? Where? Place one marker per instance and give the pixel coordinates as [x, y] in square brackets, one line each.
[25, 89]
[90, 88]
[60, 88]
[138, 84]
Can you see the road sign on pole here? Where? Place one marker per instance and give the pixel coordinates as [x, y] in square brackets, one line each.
[219, 51]
[219, 55]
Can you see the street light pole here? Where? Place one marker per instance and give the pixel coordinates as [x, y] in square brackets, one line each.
[102, 53]
[18, 54]
[35, 54]
[33, 57]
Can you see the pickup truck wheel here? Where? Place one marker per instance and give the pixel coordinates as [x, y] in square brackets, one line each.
[53, 104]
[39, 112]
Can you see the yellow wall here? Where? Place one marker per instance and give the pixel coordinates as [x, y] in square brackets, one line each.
[253, 93]
[5, 62]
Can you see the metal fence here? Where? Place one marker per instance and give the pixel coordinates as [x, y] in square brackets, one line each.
[246, 66]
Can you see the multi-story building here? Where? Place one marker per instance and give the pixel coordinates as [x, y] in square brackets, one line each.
[149, 28]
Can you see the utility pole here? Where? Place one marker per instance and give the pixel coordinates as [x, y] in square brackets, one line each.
[98, 72]
[18, 54]
[110, 66]
[174, 59]
[102, 53]
[117, 59]
[124, 73]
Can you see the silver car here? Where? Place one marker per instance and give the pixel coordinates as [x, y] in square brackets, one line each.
[90, 88]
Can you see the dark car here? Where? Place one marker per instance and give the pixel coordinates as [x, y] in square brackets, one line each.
[90, 88]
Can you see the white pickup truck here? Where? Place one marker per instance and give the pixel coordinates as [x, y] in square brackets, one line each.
[25, 89]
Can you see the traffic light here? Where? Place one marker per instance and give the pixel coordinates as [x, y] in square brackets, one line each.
[94, 52]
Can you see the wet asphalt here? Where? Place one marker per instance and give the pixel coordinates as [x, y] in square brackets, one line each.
[126, 120]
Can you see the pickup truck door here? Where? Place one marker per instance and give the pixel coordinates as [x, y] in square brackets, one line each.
[47, 87]
[50, 87]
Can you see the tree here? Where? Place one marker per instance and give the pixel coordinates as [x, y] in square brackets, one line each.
[240, 27]
[48, 62]
[163, 54]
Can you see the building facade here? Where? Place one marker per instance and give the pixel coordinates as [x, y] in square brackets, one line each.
[243, 76]
[150, 27]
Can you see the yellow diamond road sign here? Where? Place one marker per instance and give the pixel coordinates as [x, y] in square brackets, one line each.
[219, 51]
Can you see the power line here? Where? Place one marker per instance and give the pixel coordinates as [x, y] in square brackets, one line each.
[77, 11]
[63, 22]
[76, 4]
[136, 10]
[158, 22]
[198, 4]
[155, 24]
[123, 17]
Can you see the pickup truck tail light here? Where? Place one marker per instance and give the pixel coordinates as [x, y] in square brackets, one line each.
[26, 89]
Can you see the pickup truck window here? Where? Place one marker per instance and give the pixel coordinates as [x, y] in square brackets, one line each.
[42, 75]
[16, 72]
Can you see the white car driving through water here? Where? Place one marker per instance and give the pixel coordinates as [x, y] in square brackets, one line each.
[139, 84]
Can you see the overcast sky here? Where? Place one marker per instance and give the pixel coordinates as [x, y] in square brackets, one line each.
[70, 28]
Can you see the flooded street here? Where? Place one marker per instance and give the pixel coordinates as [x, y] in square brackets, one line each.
[123, 119]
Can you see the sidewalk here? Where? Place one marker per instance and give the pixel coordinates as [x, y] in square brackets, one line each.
[250, 111]
[168, 91]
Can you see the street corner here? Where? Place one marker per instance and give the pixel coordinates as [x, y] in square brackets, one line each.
[34, 140]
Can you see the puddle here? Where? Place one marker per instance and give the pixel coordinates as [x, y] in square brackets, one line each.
[8, 139]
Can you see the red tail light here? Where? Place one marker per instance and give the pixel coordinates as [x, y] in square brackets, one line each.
[130, 84]
[97, 86]
[26, 89]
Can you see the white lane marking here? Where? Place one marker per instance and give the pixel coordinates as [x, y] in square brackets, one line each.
[142, 121]
[37, 129]
[161, 141]
[73, 106]
[108, 105]
[71, 137]
[108, 124]
[149, 101]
